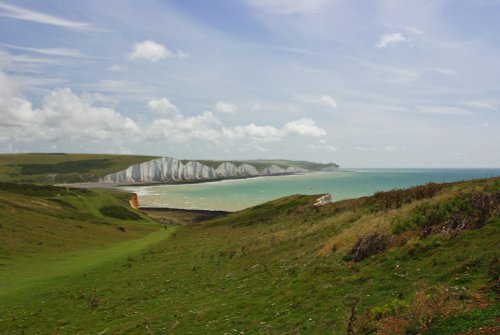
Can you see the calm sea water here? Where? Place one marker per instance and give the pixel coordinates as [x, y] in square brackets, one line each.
[234, 195]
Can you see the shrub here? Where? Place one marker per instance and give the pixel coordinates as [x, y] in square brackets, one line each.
[393, 307]
[118, 212]
[398, 197]
[464, 211]
[367, 246]
[83, 166]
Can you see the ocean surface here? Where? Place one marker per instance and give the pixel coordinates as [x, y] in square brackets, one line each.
[232, 195]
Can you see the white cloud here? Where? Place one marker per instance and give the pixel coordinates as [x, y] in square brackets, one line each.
[64, 52]
[303, 127]
[150, 51]
[182, 129]
[34, 60]
[328, 101]
[15, 12]
[390, 39]
[226, 107]
[253, 132]
[163, 106]
[318, 100]
[63, 115]
[66, 115]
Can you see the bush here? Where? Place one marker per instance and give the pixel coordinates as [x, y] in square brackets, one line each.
[118, 212]
[367, 246]
[83, 166]
[393, 307]
[398, 197]
[464, 211]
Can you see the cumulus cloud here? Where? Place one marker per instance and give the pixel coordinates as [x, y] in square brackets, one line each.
[182, 129]
[328, 101]
[226, 107]
[152, 51]
[253, 132]
[65, 114]
[303, 127]
[163, 106]
[62, 114]
[390, 39]
[318, 100]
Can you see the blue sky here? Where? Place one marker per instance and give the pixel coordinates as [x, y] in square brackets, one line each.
[361, 83]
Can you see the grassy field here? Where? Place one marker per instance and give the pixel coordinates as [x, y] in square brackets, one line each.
[63, 168]
[417, 261]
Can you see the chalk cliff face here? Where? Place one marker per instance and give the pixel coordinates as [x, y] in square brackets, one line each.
[168, 169]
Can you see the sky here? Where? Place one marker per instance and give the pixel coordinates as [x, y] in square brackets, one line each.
[389, 83]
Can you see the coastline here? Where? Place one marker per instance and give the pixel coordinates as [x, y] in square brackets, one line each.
[186, 182]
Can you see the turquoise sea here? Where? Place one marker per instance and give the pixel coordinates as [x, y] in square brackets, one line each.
[234, 195]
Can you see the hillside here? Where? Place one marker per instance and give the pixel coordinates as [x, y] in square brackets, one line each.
[63, 168]
[418, 261]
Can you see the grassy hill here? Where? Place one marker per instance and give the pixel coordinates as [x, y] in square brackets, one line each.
[63, 168]
[418, 261]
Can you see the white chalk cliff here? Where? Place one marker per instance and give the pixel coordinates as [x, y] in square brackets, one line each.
[167, 169]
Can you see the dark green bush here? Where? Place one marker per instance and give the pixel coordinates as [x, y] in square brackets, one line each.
[118, 212]
[464, 211]
[83, 166]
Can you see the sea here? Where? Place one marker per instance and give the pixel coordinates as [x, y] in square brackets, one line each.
[237, 194]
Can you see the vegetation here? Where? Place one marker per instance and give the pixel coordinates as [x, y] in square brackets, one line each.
[63, 168]
[119, 212]
[284, 267]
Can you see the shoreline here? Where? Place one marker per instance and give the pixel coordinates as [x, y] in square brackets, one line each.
[185, 182]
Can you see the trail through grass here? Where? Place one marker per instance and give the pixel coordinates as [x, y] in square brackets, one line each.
[48, 271]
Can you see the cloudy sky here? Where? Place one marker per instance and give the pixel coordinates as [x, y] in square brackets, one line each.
[387, 83]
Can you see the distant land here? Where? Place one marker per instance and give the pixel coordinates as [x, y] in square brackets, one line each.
[54, 168]
[168, 169]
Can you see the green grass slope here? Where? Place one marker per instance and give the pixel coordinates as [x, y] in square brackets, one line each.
[418, 261]
[63, 168]
[36, 219]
